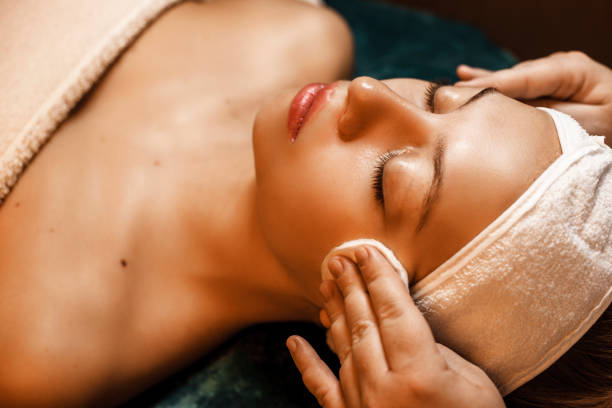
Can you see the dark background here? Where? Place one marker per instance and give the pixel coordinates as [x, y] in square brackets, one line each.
[533, 28]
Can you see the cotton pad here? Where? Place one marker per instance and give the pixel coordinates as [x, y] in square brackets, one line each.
[347, 249]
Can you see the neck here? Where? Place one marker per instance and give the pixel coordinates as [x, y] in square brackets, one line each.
[259, 287]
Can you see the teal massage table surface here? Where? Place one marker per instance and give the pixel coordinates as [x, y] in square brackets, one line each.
[254, 368]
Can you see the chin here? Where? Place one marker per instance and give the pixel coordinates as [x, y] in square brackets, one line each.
[270, 125]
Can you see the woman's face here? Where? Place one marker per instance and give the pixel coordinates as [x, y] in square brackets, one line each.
[423, 172]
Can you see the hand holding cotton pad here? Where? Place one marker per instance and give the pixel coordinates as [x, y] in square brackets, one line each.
[348, 250]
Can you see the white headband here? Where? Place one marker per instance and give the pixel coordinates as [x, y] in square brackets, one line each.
[531, 284]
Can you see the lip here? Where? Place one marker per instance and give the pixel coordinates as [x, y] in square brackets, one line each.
[306, 103]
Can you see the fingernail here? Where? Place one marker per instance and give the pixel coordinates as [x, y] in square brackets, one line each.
[362, 254]
[292, 344]
[335, 267]
[325, 291]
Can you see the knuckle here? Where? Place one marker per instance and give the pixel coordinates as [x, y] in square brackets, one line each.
[577, 55]
[342, 352]
[310, 377]
[324, 396]
[422, 387]
[566, 55]
[570, 60]
[334, 314]
[389, 311]
[360, 329]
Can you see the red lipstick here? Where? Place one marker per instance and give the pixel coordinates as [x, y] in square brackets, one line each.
[301, 105]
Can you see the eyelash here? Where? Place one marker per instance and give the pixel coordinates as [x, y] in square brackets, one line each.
[377, 178]
[430, 93]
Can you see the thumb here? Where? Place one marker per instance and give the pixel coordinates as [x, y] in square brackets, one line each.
[317, 376]
[477, 389]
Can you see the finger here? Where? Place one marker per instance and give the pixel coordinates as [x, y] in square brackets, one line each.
[367, 351]
[349, 383]
[405, 335]
[338, 329]
[317, 376]
[552, 76]
[465, 72]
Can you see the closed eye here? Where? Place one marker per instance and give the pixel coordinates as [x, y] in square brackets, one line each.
[430, 94]
[381, 161]
[379, 169]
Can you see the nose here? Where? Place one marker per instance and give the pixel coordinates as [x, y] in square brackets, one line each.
[373, 108]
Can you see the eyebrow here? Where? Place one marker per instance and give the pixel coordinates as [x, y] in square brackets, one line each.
[433, 192]
[438, 161]
[479, 95]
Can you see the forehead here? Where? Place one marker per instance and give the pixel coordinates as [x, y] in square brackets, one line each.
[496, 147]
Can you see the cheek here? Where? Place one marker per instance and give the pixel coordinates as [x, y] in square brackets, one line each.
[309, 203]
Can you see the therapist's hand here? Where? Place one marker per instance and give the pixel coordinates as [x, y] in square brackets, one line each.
[569, 82]
[388, 355]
